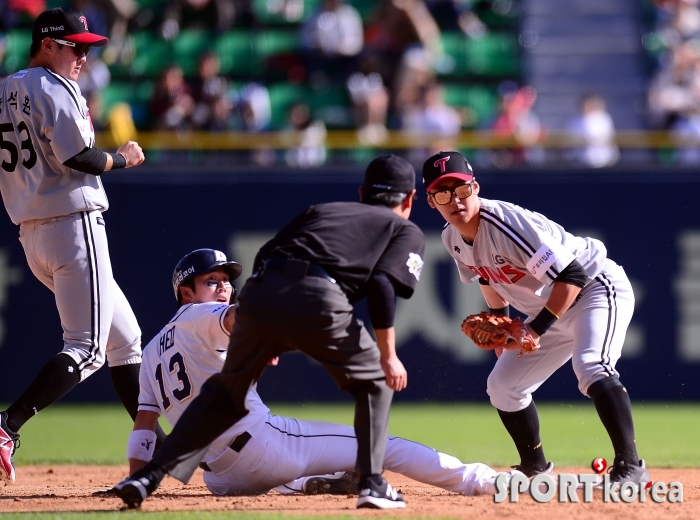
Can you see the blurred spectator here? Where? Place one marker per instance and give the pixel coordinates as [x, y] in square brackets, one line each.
[94, 76]
[686, 133]
[431, 115]
[331, 40]
[172, 104]
[206, 14]
[594, 128]
[311, 137]
[675, 88]
[291, 10]
[254, 107]
[515, 119]
[213, 106]
[407, 41]
[370, 103]
[12, 12]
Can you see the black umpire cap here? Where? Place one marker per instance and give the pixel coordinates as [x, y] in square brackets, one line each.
[201, 261]
[451, 165]
[66, 24]
[389, 173]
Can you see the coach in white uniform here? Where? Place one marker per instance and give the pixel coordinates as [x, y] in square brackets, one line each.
[262, 451]
[579, 304]
[51, 189]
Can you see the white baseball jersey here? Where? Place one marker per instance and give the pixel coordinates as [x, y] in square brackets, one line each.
[44, 121]
[520, 253]
[178, 361]
[281, 450]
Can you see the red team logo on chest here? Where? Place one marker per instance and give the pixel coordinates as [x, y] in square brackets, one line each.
[506, 274]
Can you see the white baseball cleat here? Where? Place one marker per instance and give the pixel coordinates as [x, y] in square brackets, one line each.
[9, 442]
[380, 496]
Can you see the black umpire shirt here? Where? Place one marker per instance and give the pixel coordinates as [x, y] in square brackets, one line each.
[351, 240]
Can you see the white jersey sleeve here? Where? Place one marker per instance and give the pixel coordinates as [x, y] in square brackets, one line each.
[184, 354]
[44, 121]
[520, 253]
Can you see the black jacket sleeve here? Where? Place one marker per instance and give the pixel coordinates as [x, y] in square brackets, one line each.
[381, 300]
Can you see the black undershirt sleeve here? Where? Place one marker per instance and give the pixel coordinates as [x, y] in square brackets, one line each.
[573, 274]
[90, 160]
[381, 300]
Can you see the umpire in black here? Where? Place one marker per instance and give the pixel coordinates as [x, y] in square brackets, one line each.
[301, 297]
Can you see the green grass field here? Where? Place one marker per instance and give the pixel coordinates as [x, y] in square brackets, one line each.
[571, 432]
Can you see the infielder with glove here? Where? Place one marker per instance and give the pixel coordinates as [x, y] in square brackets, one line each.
[301, 297]
[578, 300]
[261, 451]
[51, 188]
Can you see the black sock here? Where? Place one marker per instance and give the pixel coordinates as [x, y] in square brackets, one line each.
[125, 380]
[524, 427]
[55, 379]
[368, 480]
[615, 411]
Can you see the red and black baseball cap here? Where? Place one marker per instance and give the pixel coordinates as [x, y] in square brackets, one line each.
[446, 165]
[65, 24]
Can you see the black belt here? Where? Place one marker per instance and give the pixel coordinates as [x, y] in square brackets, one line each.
[296, 268]
[237, 445]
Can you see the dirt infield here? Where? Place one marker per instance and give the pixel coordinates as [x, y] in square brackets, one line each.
[72, 488]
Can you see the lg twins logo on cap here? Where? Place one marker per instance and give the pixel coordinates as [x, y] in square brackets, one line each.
[441, 162]
[83, 20]
[415, 264]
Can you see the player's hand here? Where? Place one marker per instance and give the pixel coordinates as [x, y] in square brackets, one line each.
[396, 375]
[498, 351]
[133, 153]
[535, 337]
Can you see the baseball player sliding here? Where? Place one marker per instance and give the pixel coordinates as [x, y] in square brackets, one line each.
[578, 300]
[51, 188]
[262, 451]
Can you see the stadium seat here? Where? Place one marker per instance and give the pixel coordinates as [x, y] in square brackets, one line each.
[491, 55]
[365, 7]
[282, 96]
[189, 46]
[236, 54]
[145, 55]
[332, 105]
[483, 100]
[137, 95]
[17, 45]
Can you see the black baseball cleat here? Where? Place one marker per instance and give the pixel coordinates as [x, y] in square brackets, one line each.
[134, 490]
[531, 471]
[379, 496]
[624, 471]
[340, 483]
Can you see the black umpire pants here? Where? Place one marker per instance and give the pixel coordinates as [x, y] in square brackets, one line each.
[279, 313]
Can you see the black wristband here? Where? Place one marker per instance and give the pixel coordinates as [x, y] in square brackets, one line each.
[543, 321]
[483, 281]
[118, 161]
[503, 311]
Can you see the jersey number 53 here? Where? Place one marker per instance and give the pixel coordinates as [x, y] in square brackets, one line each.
[25, 144]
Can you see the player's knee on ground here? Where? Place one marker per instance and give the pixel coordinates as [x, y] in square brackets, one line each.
[504, 396]
[128, 354]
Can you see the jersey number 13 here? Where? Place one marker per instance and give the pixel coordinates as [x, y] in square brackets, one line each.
[184, 387]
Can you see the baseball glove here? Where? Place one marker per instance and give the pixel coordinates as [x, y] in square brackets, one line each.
[498, 332]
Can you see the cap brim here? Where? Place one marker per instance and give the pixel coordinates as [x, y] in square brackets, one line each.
[461, 176]
[234, 269]
[88, 39]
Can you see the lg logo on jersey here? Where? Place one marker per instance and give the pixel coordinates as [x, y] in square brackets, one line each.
[506, 274]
